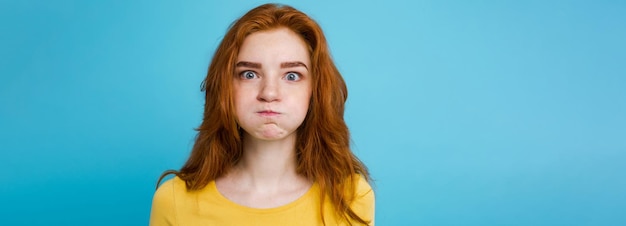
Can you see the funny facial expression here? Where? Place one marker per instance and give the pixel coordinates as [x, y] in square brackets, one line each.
[272, 84]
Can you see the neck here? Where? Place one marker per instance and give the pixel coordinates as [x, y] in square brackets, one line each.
[267, 163]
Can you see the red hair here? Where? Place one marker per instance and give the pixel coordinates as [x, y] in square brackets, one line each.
[323, 140]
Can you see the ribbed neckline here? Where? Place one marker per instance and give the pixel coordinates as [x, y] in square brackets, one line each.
[235, 205]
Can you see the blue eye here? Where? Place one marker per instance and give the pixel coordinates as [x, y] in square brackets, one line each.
[248, 75]
[292, 76]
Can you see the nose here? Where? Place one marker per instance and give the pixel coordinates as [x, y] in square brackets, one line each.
[269, 90]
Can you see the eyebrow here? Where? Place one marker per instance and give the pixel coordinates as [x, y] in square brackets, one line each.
[248, 64]
[289, 64]
[293, 64]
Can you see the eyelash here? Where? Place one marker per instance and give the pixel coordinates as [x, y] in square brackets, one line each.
[299, 76]
[243, 74]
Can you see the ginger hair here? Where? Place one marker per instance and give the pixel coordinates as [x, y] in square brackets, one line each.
[323, 141]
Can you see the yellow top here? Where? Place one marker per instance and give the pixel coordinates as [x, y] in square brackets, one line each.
[174, 205]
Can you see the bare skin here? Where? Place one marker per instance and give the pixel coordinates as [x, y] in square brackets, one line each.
[272, 93]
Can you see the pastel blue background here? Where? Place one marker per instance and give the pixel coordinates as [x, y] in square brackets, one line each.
[466, 112]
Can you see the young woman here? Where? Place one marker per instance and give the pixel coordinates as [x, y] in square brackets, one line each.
[273, 147]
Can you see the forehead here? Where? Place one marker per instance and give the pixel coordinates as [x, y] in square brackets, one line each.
[274, 46]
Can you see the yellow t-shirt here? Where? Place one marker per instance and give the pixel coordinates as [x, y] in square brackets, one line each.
[174, 205]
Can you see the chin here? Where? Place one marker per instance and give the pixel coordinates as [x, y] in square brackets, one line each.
[272, 135]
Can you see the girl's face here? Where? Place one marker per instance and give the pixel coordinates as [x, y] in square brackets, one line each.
[272, 84]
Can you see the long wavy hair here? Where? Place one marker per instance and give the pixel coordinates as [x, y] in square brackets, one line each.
[323, 140]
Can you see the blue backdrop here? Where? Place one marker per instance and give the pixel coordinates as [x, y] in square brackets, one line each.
[467, 112]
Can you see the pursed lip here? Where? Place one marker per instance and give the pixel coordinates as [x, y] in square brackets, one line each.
[268, 113]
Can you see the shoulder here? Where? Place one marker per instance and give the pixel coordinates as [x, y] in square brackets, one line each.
[363, 188]
[364, 199]
[164, 202]
[168, 190]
